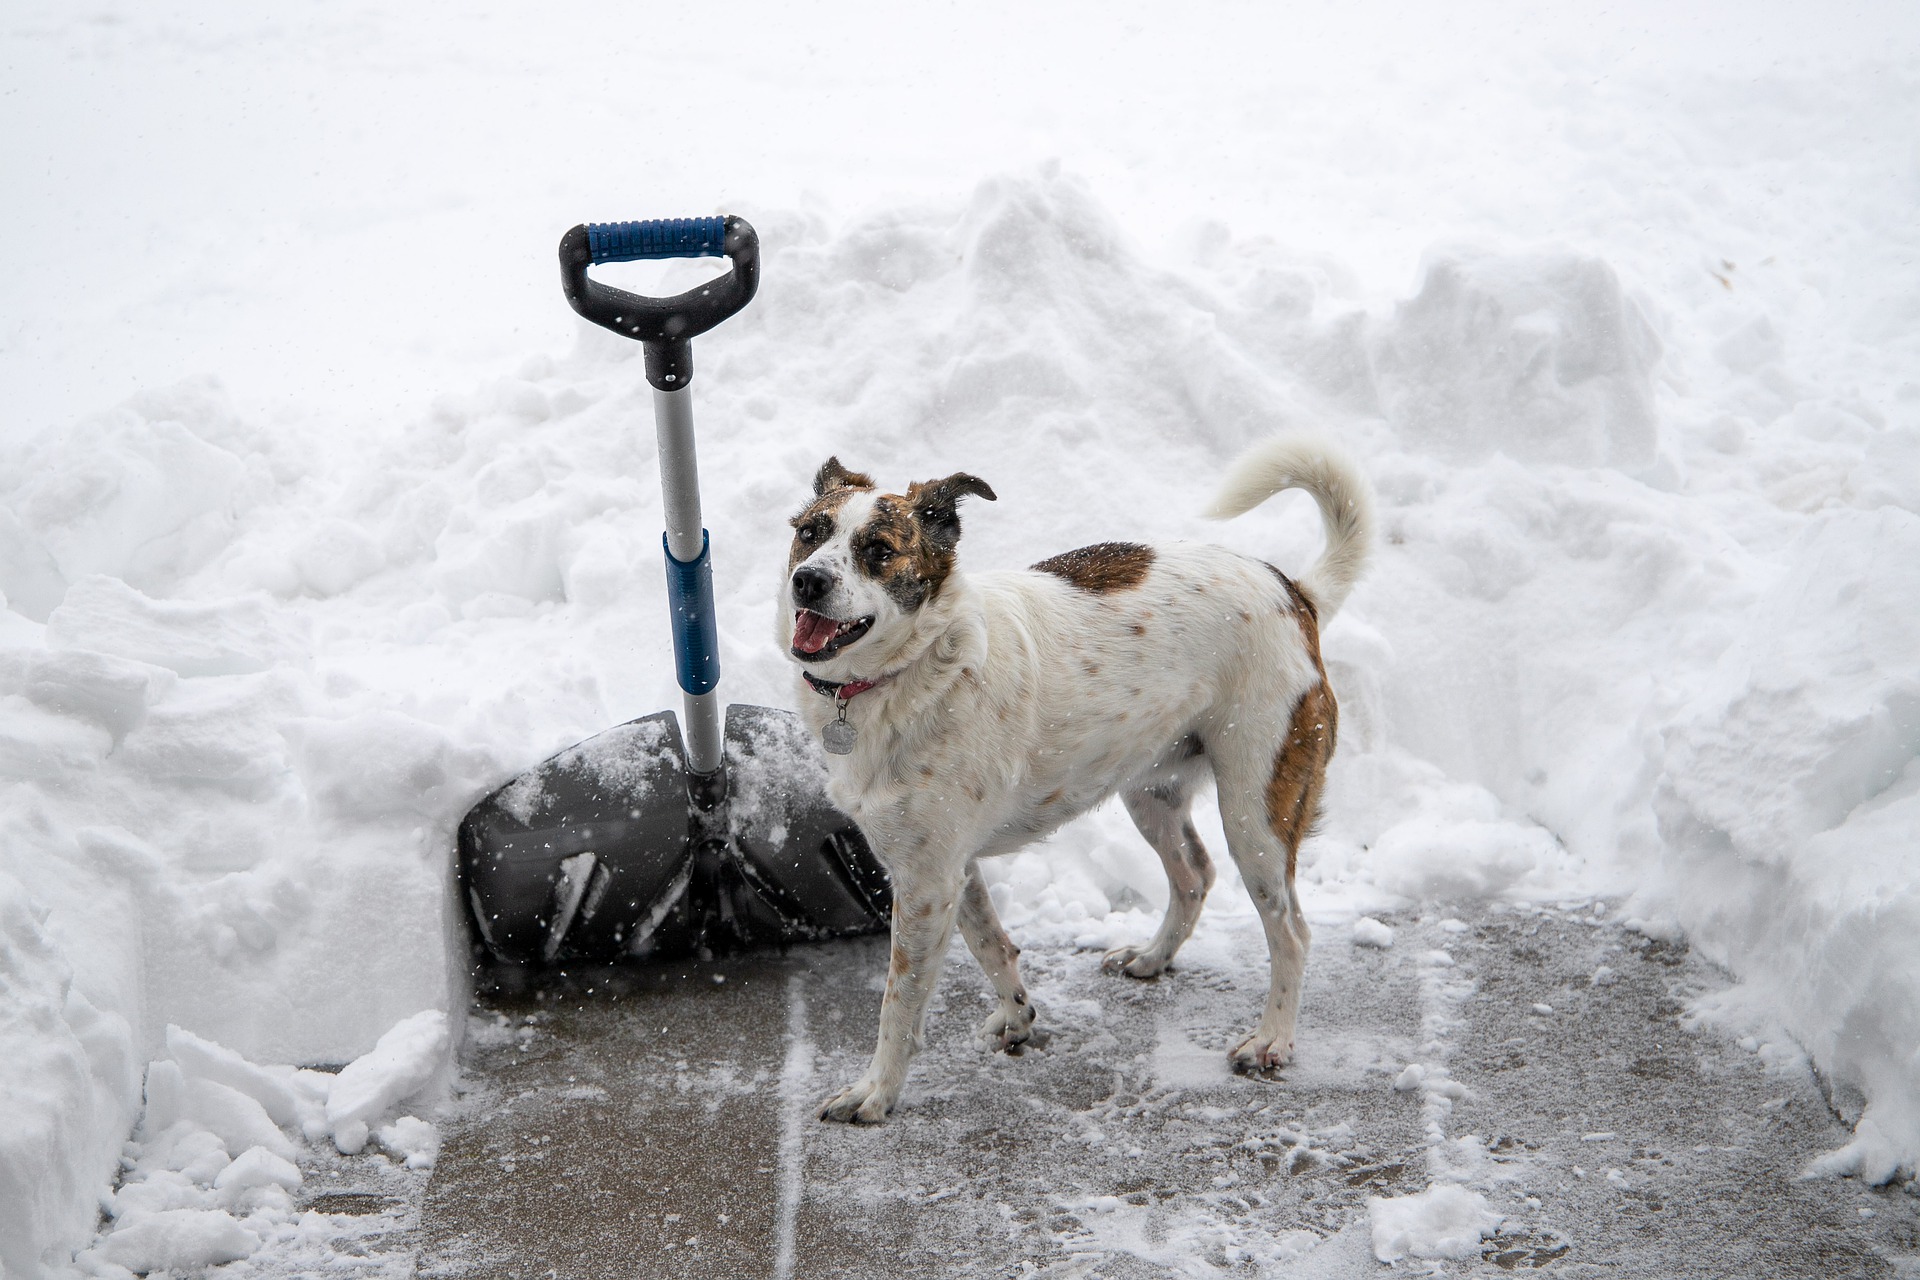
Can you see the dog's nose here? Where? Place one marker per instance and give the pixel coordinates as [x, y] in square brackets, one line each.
[811, 585]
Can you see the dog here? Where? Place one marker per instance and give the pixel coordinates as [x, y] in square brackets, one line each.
[968, 715]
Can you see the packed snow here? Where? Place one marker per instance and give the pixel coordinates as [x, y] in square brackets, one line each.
[1623, 330]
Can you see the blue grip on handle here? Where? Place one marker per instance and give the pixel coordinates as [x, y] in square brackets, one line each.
[696, 637]
[659, 238]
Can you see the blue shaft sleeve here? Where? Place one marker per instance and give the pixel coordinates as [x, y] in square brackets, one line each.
[659, 238]
[696, 636]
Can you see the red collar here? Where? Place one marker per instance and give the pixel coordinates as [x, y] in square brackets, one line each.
[842, 692]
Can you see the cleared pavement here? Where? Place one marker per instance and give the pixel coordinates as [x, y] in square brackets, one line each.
[660, 1123]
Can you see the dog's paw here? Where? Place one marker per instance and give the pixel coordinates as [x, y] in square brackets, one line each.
[1006, 1031]
[862, 1102]
[1135, 962]
[1256, 1054]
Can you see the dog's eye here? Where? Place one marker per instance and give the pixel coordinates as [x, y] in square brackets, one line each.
[877, 554]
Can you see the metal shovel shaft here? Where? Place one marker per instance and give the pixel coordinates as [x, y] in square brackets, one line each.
[686, 541]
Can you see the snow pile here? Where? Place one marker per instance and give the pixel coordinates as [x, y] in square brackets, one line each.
[1368, 932]
[402, 1064]
[1444, 1221]
[210, 1175]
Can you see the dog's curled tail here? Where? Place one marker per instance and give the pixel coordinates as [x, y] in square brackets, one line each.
[1346, 507]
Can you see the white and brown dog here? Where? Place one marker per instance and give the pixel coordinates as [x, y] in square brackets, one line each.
[970, 715]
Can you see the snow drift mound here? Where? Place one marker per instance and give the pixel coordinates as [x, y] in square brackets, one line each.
[1540, 356]
[252, 677]
[1790, 806]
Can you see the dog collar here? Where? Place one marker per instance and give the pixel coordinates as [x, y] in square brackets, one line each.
[844, 691]
[839, 735]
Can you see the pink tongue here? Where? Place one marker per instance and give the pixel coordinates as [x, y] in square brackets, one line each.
[811, 632]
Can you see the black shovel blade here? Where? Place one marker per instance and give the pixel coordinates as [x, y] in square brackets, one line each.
[599, 853]
[570, 855]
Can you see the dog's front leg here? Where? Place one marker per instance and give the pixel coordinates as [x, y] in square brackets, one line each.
[923, 916]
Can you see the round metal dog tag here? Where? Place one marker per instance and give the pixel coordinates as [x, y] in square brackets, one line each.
[838, 737]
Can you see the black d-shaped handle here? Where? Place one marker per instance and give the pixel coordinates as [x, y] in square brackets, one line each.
[664, 325]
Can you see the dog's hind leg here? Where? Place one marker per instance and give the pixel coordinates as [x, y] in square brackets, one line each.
[1012, 1022]
[1268, 800]
[1161, 810]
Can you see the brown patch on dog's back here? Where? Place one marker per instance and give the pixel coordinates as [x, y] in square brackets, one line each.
[1293, 794]
[1103, 567]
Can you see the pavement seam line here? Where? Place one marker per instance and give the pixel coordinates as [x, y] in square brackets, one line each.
[796, 1074]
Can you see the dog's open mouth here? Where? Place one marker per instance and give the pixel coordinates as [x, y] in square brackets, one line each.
[816, 636]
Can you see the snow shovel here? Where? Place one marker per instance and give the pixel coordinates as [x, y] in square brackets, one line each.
[641, 841]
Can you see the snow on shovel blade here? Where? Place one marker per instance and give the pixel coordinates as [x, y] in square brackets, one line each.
[789, 833]
[599, 854]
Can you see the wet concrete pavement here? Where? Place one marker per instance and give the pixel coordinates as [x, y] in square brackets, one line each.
[660, 1123]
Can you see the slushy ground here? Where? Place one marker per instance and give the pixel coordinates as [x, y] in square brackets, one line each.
[661, 1122]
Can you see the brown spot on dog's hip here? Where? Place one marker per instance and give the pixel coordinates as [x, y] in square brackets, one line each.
[1299, 770]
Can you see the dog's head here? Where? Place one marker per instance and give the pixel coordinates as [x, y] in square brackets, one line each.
[865, 565]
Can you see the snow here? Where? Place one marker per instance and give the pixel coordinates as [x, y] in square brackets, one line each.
[67, 1090]
[415, 1141]
[310, 536]
[403, 1062]
[209, 1175]
[1368, 932]
[179, 1240]
[233, 1117]
[1444, 1221]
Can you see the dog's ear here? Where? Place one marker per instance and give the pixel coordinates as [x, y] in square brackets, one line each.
[936, 505]
[832, 475]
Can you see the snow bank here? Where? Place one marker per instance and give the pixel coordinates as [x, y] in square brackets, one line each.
[65, 1091]
[1790, 804]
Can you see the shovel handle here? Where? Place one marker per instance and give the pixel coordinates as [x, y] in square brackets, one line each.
[659, 238]
[663, 325]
